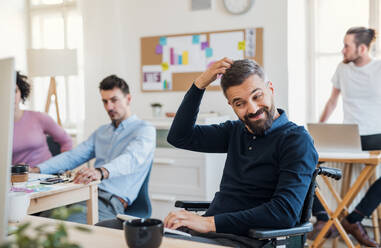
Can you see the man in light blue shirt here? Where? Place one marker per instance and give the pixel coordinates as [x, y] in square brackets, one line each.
[123, 151]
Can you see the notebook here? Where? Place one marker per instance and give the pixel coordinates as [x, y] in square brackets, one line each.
[336, 138]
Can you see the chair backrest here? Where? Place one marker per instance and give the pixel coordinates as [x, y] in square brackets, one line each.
[141, 207]
[54, 147]
[308, 201]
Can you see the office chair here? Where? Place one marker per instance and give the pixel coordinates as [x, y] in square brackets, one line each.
[54, 147]
[141, 207]
[287, 237]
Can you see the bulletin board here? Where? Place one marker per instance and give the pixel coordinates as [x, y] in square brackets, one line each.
[173, 62]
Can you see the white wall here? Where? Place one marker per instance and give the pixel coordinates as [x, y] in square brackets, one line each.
[13, 31]
[112, 32]
[104, 54]
[297, 61]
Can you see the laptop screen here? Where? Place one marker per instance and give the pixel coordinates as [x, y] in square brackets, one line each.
[335, 137]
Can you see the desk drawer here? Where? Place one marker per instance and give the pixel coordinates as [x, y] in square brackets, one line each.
[178, 176]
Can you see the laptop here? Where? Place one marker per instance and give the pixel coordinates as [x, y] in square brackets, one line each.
[336, 138]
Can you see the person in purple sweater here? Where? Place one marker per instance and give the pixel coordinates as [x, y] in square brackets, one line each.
[31, 128]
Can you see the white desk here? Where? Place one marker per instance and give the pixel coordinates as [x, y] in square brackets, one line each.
[106, 237]
[64, 194]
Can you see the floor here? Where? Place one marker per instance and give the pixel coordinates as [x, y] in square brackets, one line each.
[328, 244]
[340, 243]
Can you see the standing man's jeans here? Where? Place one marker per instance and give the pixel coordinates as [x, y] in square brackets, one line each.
[108, 207]
[370, 201]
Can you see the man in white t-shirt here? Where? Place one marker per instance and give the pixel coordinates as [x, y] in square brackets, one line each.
[358, 80]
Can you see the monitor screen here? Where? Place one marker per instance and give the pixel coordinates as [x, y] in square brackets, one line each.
[7, 94]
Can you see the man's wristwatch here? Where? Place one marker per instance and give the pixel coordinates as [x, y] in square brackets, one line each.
[102, 174]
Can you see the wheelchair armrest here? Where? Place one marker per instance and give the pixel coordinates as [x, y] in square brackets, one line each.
[274, 233]
[193, 205]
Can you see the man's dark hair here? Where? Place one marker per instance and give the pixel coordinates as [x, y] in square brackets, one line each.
[363, 35]
[239, 72]
[23, 85]
[113, 81]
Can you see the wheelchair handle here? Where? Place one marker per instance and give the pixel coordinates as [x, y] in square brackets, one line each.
[330, 172]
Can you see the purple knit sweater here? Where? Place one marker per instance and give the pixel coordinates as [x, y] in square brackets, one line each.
[29, 138]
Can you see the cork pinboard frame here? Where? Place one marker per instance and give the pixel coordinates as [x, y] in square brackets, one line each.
[153, 55]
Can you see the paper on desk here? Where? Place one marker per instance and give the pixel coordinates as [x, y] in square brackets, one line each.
[38, 176]
[166, 230]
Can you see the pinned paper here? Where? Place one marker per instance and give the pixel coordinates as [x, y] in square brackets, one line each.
[164, 66]
[241, 45]
[250, 42]
[151, 76]
[163, 41]
[159, 49]
[225, 44]
[185, 58]
[196, 39]
[180, 60]
[166, 85]
[172, 56]
[209, 52]
[204, 45]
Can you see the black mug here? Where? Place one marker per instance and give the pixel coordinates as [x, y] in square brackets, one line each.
[143, 233]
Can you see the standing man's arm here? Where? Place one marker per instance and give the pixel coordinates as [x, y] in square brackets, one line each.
[330, 105]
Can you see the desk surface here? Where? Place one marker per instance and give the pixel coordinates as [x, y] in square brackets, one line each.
[106, 237]
[61, 187]
[64, 194]
[372, 158]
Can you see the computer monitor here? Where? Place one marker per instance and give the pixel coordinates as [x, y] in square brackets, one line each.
[7, 95]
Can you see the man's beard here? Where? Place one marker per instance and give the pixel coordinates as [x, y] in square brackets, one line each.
[260, 126]
[349, 60]
[114, 117]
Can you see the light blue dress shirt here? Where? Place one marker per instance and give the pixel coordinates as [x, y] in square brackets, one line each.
[126, 152]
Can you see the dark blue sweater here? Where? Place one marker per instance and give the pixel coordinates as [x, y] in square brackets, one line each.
[265, 179]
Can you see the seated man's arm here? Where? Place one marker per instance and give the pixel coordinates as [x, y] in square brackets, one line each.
[136, 153]
[70, 159]
[193, 221]
[184, 133]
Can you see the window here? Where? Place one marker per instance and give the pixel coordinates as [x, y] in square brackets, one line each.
[56, 24]
[330, 20]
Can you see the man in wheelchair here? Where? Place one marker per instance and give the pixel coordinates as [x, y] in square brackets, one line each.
[269, 169]
[270, 160]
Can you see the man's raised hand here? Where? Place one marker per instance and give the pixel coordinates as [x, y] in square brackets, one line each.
[208, 76]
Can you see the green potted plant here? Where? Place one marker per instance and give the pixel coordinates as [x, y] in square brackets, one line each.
[56, 236]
